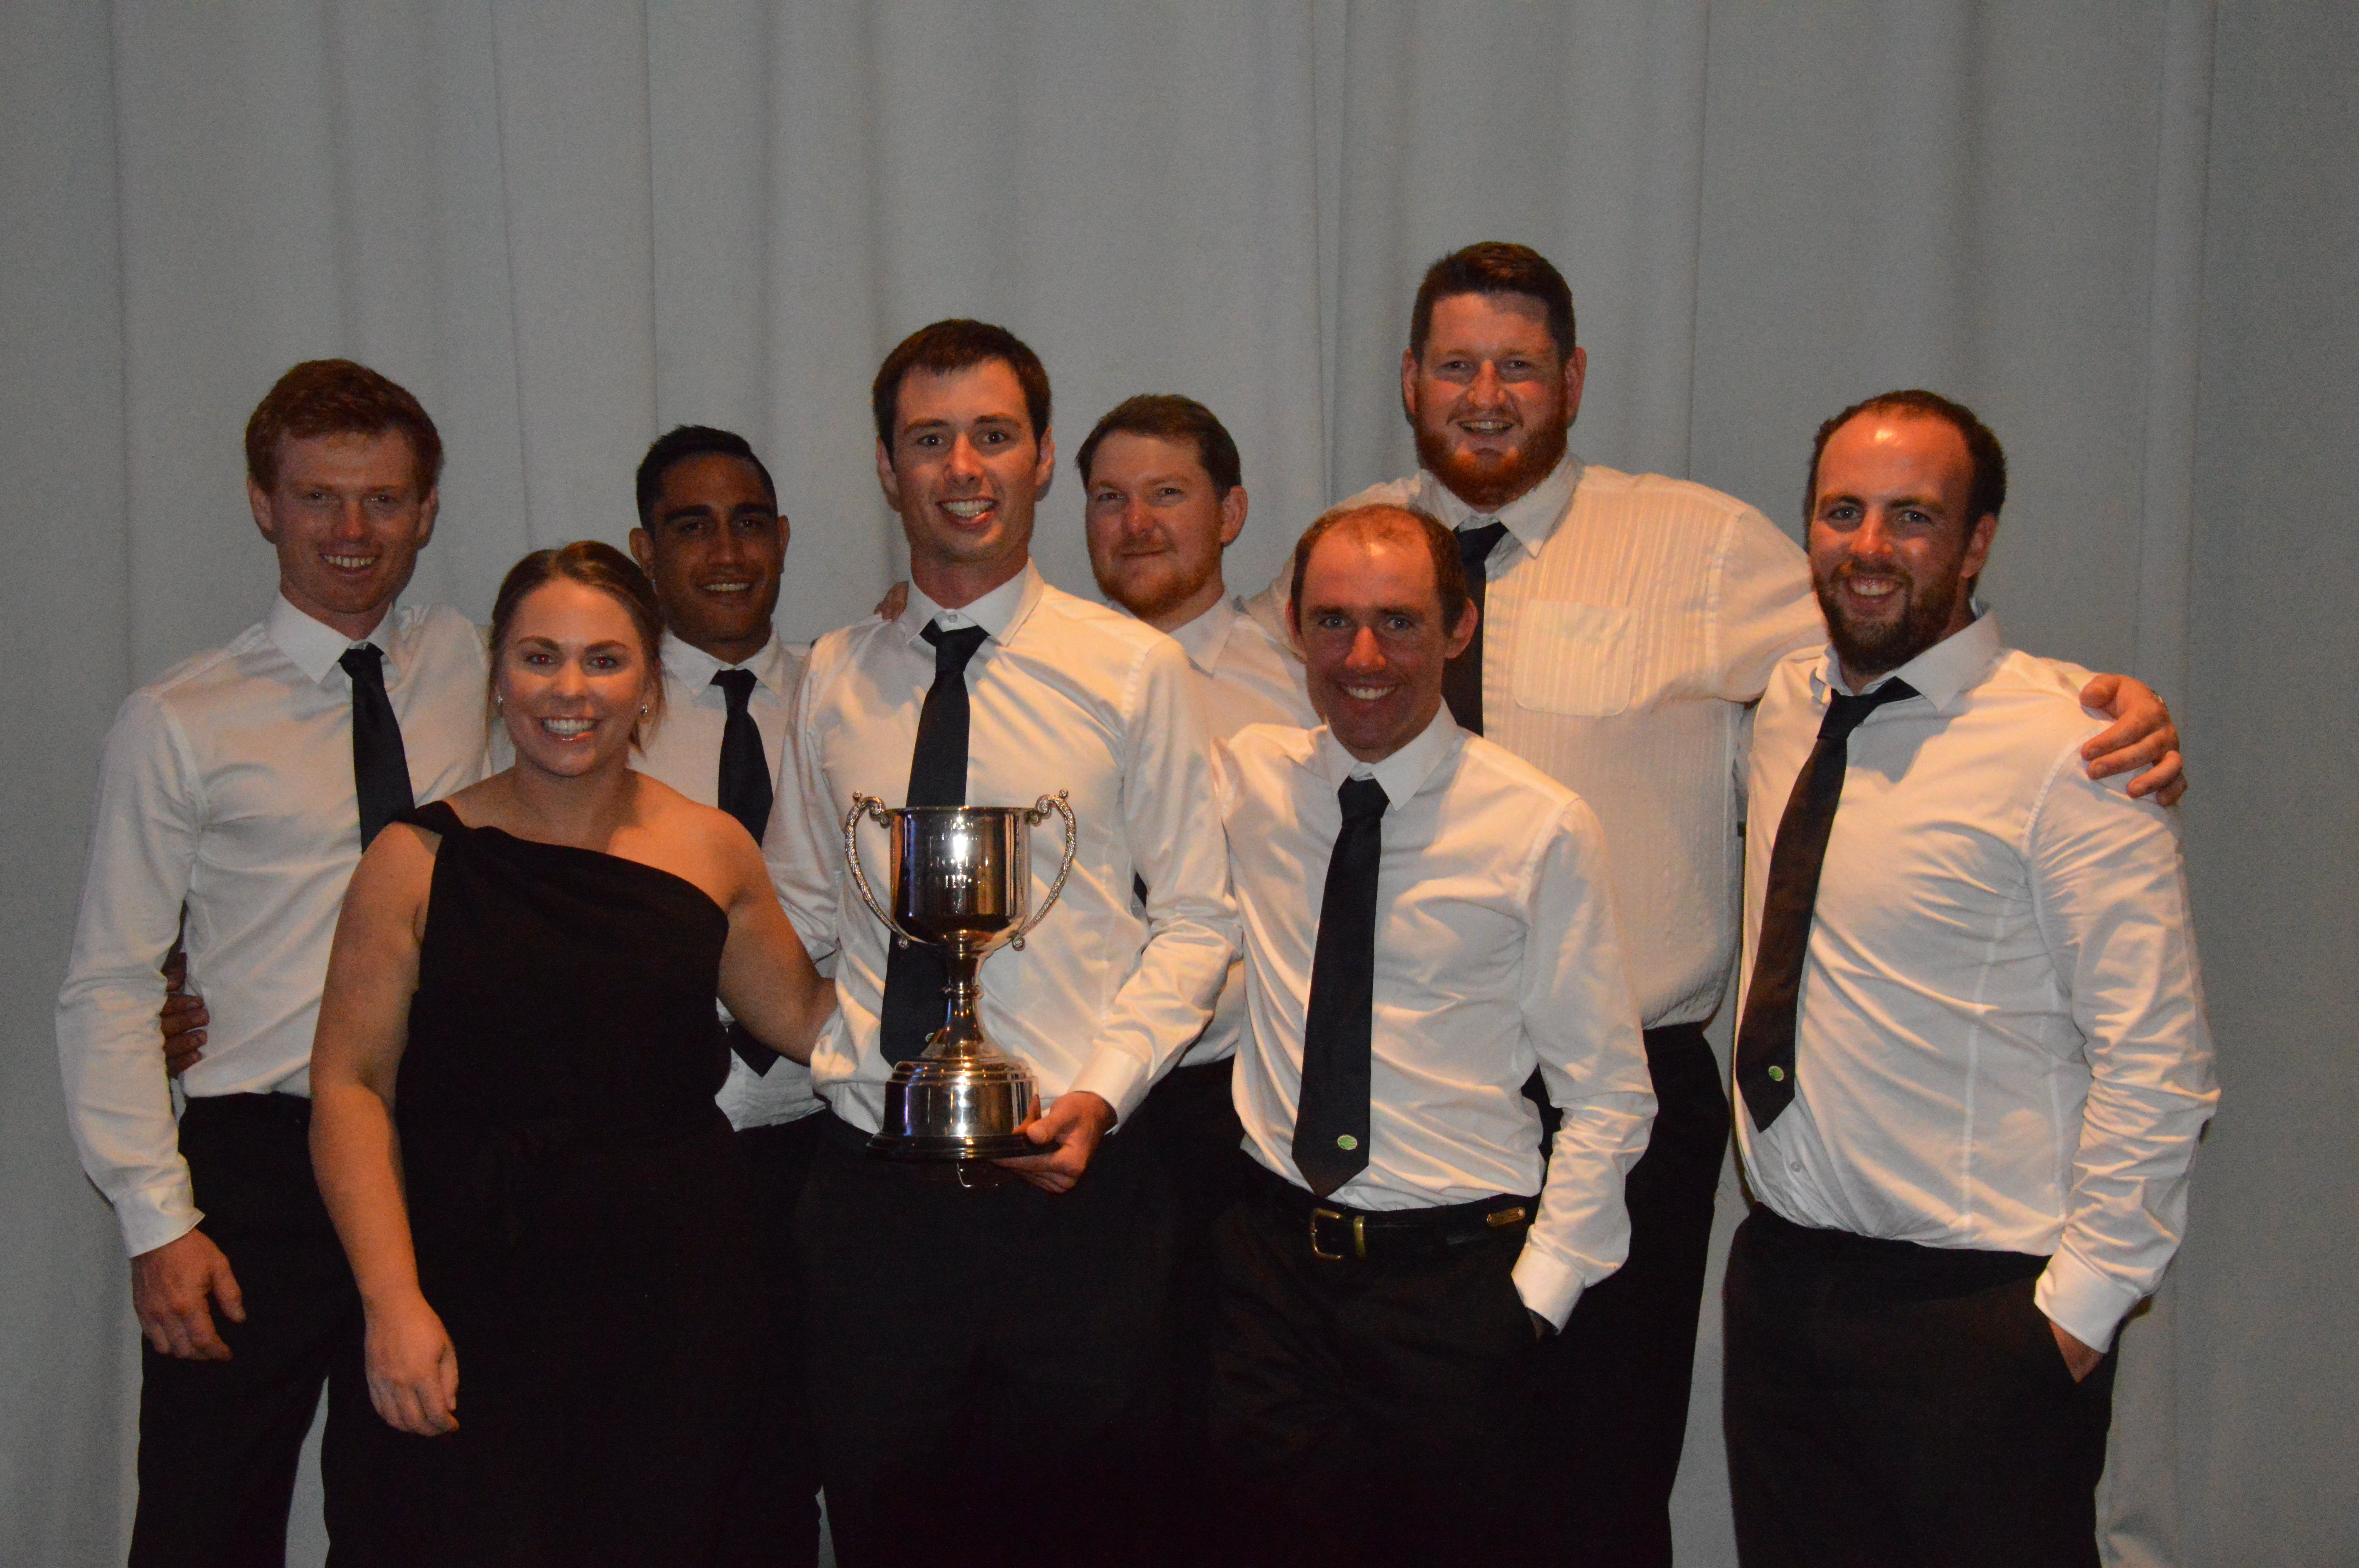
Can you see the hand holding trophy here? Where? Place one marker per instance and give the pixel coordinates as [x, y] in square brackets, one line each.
[960, 877]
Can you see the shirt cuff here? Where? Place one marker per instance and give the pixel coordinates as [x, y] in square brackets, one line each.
[2082, 1301]
[1116, 1077]
[149, 1219]
[1549, 1285]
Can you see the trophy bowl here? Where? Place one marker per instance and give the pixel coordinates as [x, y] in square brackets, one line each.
[960, 877]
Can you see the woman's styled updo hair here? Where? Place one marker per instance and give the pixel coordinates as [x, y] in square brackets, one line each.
[598, 565]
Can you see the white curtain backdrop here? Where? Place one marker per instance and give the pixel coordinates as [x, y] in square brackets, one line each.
[2123, 232]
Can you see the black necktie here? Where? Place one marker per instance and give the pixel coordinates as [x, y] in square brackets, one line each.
[380, 767]
[744, 771]
[1765, 1039]
[1330, 1119]
[1461, 677]
[914, 978]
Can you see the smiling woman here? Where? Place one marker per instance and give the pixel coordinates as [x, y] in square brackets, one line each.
[557, 1181]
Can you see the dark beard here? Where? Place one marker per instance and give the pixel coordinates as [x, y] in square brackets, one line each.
[1867, 651]
[1487, 486]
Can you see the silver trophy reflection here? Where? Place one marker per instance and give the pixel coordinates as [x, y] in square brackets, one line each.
[961, 878]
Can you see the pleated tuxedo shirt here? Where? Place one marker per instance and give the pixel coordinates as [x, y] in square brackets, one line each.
[1496, 951]
[1245, 675]
[2000, 1039]
[1065, 695]
[685, 752]
[1628, 621]
[228, 783]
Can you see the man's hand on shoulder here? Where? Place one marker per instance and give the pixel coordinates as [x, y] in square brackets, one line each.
[2141, 736]
[172, 1289]
[1068, 1131]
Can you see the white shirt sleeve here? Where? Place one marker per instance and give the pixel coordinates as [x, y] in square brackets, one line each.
[1762, 607]
[1171, 814]
[1580, 1014]
[2111, 899]
[143, 842]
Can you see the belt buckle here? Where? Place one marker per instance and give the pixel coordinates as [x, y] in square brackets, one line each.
[1359, 1236]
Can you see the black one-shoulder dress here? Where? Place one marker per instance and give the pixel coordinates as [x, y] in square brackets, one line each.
[577, 1208]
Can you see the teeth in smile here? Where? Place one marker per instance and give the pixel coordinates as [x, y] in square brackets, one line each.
[1873, 588]
[727, 586]
[969, 509]
[1487, 427]
[351, 563]
[569, 726]
[1368, 693]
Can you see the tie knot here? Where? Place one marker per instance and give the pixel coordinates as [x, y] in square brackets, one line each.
[1475, 544]
[1363, 800]
[364, 662]
[1845, 713]
[953, 649]
[737, 685]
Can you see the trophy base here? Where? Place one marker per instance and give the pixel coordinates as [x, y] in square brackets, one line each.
[959, 1108]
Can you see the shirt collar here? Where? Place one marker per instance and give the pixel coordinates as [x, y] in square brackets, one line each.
[1531, 517]
[1205, 636]
[1404, 772]
[314, 647]
[1940, 675]
[999, 613]
[694, 668]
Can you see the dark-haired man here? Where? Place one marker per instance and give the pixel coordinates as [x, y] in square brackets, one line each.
[1972, 1054]
[1163, 497]
[712, 540]
[241, 786]
[986, 1354]
[1628, 619]
[1427, 922]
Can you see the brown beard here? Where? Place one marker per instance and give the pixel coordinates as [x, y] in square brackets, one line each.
[1871, 651]
[1488, 484]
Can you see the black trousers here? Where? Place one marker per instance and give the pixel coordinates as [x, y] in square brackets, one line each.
[219, 1440]
[1613, 1386]
[1368, 1413]
[774, 1520]
[986, 1365]
[1894, 1406]
[1190, 1120]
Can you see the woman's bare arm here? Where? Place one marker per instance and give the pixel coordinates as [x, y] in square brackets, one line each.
[766, 979]
[356, 1153]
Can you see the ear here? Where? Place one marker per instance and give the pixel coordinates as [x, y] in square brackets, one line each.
[1464, 632]
[786, 533]
[258, 499]
[1576, 372]
[1233, 516]
[1408, 383]
[1978, 546]
[887, 477]
[643, 550]
[428, 511]
[1044, 473]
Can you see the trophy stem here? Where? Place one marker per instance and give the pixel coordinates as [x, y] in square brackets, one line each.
[961, 1034]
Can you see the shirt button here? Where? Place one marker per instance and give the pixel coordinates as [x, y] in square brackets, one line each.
[1794, 1165]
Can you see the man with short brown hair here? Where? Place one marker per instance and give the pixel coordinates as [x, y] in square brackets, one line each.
[241, 787]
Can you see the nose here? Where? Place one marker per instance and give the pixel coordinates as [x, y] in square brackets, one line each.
[1872, 539]
[728, 546]
[1487, 387]
[1137, 517]
[963, 459]
[351, 518]
[569, 680]
[1367, 654]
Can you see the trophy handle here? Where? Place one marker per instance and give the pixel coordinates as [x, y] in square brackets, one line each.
[1037, 815]
[868, 806]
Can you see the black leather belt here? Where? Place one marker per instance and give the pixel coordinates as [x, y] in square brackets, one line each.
[1338, 1233]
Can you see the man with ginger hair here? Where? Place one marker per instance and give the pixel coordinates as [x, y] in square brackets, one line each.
[240, 787]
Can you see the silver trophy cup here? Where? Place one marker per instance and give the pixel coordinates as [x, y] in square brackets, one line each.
[961, 878]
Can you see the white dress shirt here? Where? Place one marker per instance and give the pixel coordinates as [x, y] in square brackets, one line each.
[685, 752]
[1628, 621]
[1496, 951]
[1245, 675]
[228, 785]
[1065, 695]
[2000, 1040]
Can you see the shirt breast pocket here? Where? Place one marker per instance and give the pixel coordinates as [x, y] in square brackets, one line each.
[1573, 658]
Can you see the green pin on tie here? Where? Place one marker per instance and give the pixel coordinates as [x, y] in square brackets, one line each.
[1347, 1143]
